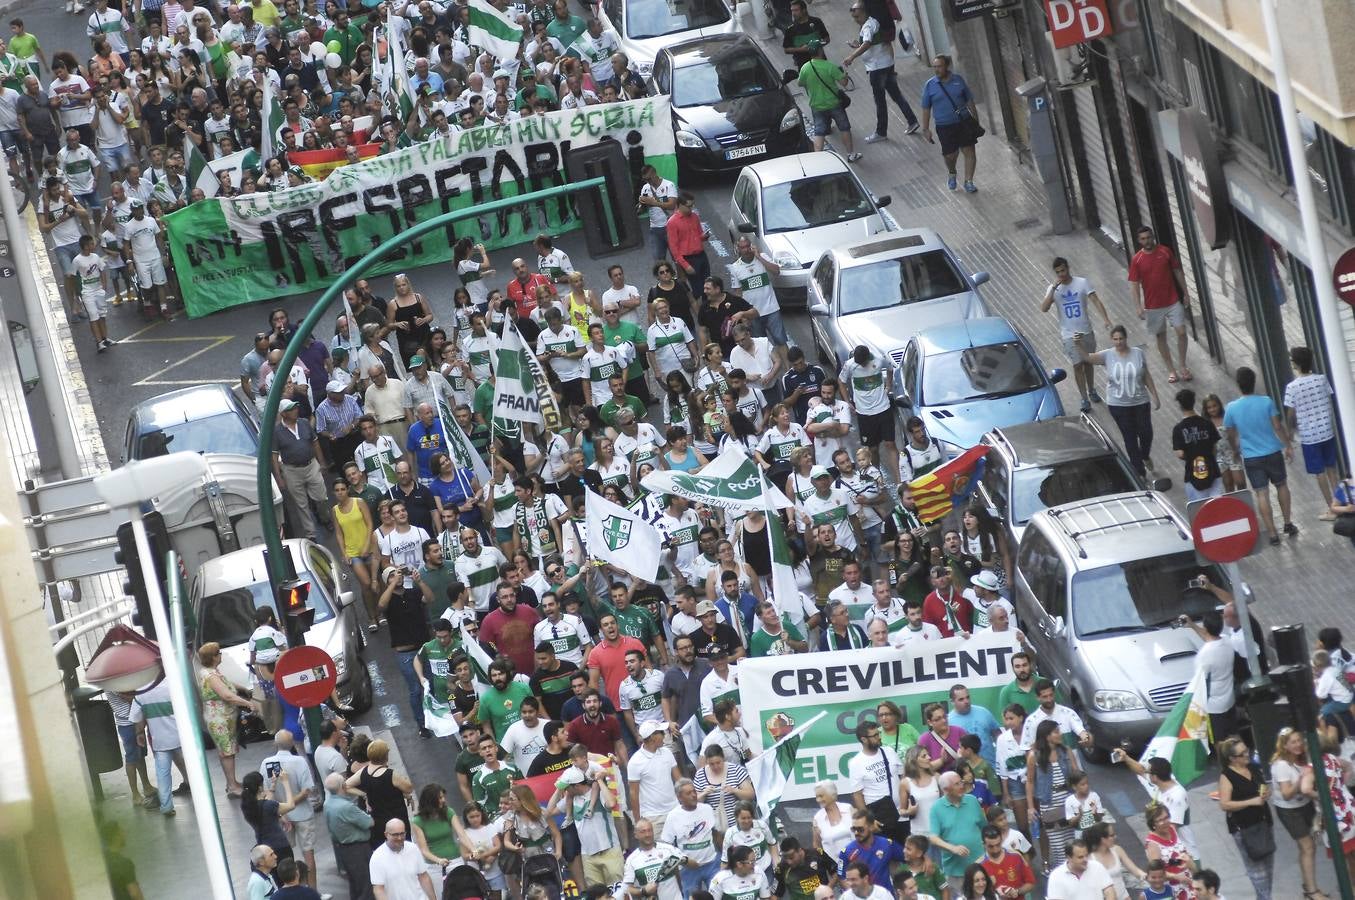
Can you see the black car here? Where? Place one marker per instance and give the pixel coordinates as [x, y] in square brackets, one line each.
[730, 107]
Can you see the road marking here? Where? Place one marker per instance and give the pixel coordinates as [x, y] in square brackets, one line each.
[390, 714]
[213, 341]
[1225, 530]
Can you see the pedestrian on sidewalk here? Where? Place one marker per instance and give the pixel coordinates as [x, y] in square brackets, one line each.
[262, 862]
[133, 754]
[153, 715]
[1128, 386]
[823, 82]
[1258, 434]
[1194, 440]
[1160, 296]
[1242, 797]
[1291, 772]
[350, 831]
[947, 99]
[1073, 294]
[1230, 464]
[1308, 410]
[875, 48]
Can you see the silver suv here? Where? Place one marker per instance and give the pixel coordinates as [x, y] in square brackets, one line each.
[1098, 587]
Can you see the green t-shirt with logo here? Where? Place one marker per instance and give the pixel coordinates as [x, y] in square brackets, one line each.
[499, 709]
[622, 332]
[636, 622]
[437, 667]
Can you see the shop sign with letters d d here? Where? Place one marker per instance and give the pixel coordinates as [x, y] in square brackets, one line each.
[1077, 21]
[1204, 178]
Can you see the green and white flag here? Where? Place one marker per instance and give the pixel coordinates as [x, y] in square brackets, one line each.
[785, 592]
[235, 164]
[733, 480]
[399, 99]
[458, 445]
[475, 652]
[622, 538]
[438, 718]
[1184, 739]
[494, 31]
[515, 381]
[200, 174]
[771, 768]
[270, 120]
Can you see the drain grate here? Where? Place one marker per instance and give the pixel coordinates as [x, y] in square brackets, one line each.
[1026, 223]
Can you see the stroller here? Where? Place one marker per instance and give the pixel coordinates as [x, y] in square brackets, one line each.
[543, 869]
[464, 882]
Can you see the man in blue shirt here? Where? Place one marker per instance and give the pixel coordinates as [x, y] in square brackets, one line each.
[425, 441]
[1256, 430]
[947, 98]
[875, 850]
[975, 720]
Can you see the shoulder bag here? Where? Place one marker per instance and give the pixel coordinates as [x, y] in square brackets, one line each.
[843, 101]
[973, 130]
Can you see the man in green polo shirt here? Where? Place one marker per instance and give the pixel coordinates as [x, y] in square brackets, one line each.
[433, 663]
[620, 400]
[823, 81]
[437, 574]
[501, 704]
[957, 821]
[635, 621]
[617, 331]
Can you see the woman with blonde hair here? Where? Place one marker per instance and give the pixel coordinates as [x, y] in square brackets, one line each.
[1242, 797]
[529, 830]
[219, 703]
[1291, 774]
[388, 792]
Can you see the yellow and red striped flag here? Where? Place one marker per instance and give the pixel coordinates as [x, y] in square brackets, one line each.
[319, 163]
[941, 489]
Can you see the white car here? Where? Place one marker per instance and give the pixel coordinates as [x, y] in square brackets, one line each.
[797, 207]
[644, 27]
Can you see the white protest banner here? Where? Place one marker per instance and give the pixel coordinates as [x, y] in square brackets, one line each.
[781, 693]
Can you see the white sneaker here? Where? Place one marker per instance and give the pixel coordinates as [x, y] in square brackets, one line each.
[875, 137]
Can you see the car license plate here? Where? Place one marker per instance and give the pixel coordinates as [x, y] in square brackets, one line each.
[741, 152]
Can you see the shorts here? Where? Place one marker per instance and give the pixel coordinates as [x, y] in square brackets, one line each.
[1070, 349]
[1263, 471]
[1297, 821]
[9, 140]
[115, 158]
[1157, 320]
[66, 254]
[150, 272]
[89, 201]
[503, 535]
[953, 138]
[1193, 493]
[569, 843]
[304, 833]
[571, 392]
[96, 305]
[132, 752]
[825, 119]
[1319, 457]
[875, 428]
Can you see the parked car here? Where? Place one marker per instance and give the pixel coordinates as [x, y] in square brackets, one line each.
[966, 377]
[644, 27]
[204, 418]
[1040, 464]
[796, 207]
[1099, 585]
[226, 591]
[882, 292]
[729, 105]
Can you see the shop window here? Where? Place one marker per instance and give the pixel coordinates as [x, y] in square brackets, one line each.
[1245, 109]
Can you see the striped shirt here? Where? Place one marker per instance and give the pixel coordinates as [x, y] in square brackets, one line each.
[333, 418]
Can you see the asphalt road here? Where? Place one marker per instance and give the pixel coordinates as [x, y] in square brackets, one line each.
[153, 357]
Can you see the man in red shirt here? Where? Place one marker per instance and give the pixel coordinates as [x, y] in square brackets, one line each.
[945, 607]
[1010, 873]
[522, 287]
[686, 243]
[509, 629]
[1160, 295]
[608, 658]
[595, 730]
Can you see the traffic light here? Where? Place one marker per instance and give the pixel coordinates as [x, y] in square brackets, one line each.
[295, 610]
[126, 556]
[606, 159]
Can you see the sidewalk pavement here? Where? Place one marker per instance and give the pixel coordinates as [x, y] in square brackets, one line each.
[167, 851]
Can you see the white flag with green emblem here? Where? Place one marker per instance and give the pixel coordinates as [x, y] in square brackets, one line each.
[458, 444]
[622, 538]
[785, 592]
[515, 389]
[494, 31]
[1183, 740]
[200, 175]
[770, 769]
[733, 480]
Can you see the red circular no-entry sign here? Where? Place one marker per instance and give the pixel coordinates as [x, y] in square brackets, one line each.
[1343, 277]
[305, 676]
[1225, 530]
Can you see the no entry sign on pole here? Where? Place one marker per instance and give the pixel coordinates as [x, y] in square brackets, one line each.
[1225, 530]
[305, 676]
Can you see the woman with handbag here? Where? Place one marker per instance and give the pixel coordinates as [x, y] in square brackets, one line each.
[1243, 796]
[823, 81]
[947, 99]
[1048, 767]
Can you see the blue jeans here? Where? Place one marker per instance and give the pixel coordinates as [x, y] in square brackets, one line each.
[771, 326]
[698, 879]
[658, 243]
[406, 660]
[884, 82]
[164, 778]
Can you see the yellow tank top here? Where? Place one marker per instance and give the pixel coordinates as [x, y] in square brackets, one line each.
[580, 313]
[354, 531]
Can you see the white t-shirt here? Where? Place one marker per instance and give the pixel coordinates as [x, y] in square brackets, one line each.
[108, 131]
[835, 510]
[820, 413]
[77, 165]
[906, 635]
[403, 549]
[298, 773]
[692, 832]
[626, 292]
[1216, 659]
[566, 341]
[868, 383]
[1310, 398]
[1064, 885]
[142, 236]
[644, 698]
[875, 776]
[713, 688]
[879, 55]
[658, 217]
[399, 872]
[524, 743]
[566, 636]
[9, 110]
[728, 886]
[88, 268]
[653, 772]
[1331, 684]
[1070, 300]
[754, 284]
[658, 865]
[755, 362]
[154, 708]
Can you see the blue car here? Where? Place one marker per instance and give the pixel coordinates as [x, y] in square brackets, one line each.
[965, 378]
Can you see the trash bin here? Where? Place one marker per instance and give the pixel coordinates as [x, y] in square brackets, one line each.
[98, 731]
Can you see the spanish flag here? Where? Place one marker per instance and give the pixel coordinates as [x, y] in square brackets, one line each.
[939, 491]
[319, 163]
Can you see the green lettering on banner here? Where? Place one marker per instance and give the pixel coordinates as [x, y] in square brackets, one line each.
[777, 693]
[229, 252]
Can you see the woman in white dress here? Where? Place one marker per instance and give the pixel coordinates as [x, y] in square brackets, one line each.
[922, 786]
